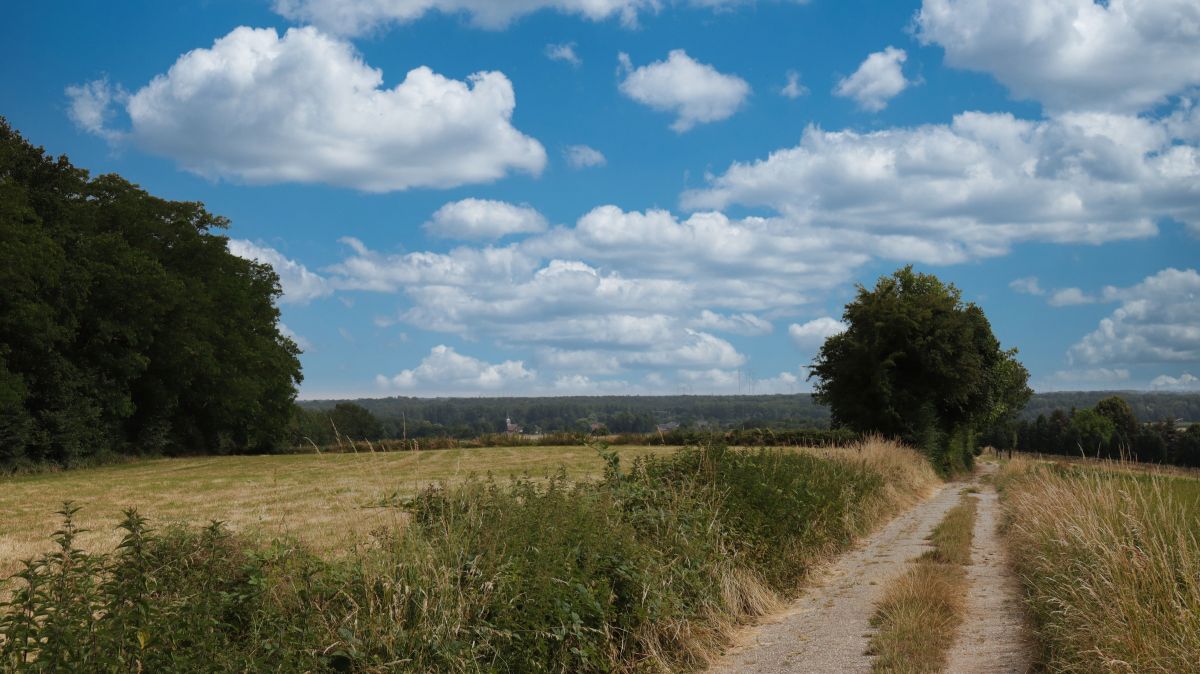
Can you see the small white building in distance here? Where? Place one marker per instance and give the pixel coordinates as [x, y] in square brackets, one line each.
[511, 428]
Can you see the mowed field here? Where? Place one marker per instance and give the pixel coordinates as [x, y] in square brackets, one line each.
[328, 501]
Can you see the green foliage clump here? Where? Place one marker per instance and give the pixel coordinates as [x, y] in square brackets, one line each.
[1110, 430]
[127, 325]
[346, 422]
[919, 364]
[779, 509]
[642, 569]
[165, 601]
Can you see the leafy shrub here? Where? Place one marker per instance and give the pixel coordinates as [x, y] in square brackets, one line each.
[167, 601]
[780, 509]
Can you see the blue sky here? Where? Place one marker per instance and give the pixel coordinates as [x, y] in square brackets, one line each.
[485, 197]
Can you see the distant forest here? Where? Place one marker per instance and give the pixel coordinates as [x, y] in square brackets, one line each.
[470, 417]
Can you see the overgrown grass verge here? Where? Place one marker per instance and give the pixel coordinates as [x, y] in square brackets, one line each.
[646, 569]
[1110, 563]
[921, 609]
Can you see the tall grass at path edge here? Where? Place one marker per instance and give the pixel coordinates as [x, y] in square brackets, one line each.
[1110, 562]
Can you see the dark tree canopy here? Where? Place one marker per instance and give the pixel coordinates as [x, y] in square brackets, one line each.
[1120, 414]
[916, 362]
[126, 325]
[1110, 430]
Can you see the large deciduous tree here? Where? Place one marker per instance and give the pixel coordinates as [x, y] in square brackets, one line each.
[126, 325]
[917, 363]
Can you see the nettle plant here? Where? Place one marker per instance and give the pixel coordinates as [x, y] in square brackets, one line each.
[170, 600]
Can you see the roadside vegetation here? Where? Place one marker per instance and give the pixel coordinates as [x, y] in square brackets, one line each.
[645, 568]
[1109, 558]
[920, 612]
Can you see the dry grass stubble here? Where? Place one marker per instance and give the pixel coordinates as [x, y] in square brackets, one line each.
[922, 608]
[322, 500]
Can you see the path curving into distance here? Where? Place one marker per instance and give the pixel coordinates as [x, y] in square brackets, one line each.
[827, 629]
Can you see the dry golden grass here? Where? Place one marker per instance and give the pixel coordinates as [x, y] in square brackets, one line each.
[952, 537]
[323, 500]
[1110, 560]
[921, 609]
[908, 476]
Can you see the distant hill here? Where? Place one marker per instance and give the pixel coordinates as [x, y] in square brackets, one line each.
[1147, 405]
[464, 417]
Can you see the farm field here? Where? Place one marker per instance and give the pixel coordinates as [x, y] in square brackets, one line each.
[323, 500]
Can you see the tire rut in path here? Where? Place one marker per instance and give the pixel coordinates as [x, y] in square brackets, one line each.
[827, 629]
[993, 638]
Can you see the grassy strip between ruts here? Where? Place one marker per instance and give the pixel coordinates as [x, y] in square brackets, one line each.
[645, 569]
[1110, 563]
[921, 609]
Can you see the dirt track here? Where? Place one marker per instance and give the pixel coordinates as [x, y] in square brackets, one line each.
[993, 637]
[827, 628]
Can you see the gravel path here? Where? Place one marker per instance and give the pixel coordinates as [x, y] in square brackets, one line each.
[827, 629]
[993, 638]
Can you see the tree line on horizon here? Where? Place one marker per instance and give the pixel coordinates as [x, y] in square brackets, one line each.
[1108, 430]
[462, 418]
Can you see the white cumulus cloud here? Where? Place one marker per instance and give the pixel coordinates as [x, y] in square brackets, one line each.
[563, 52]
[582, 156]
[485, 219]
[1027, 285]
[1119, 55]
[1184, 382]
[879, 79]
[696, 93]
[952, 192]
[445, 370]
[792, 88]
[305, 108]
[1158, 321]
[1065, 297]
[300, 285]
[738, 324]
[813, 334]
[91, 106]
